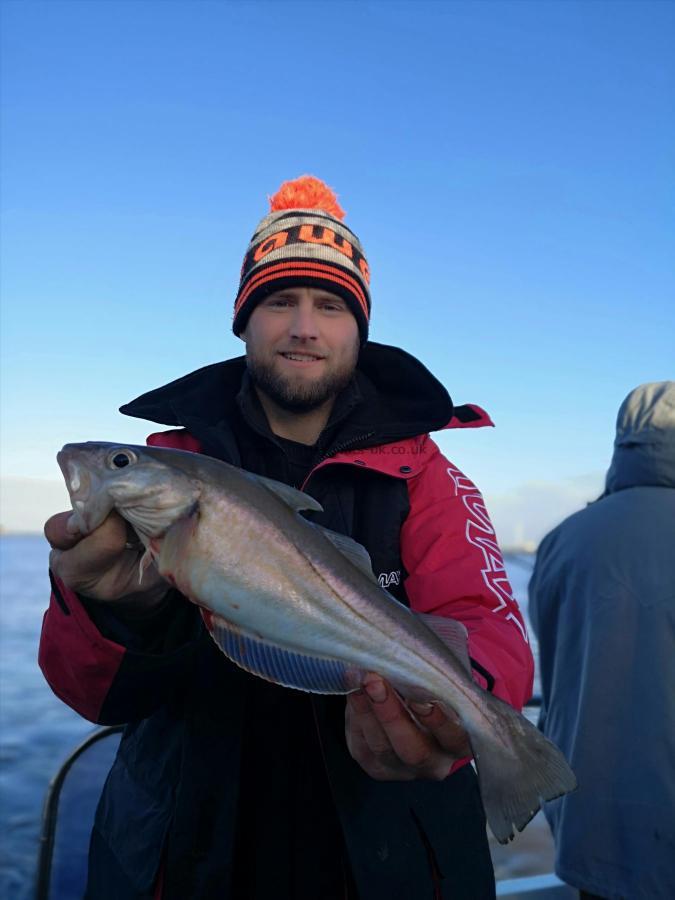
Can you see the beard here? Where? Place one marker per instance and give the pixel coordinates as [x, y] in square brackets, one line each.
[293, 395]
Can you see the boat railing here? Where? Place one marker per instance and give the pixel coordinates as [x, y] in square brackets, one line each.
[62, 853]
[61, 881]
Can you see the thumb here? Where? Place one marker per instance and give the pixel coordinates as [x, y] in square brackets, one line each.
[60, 531]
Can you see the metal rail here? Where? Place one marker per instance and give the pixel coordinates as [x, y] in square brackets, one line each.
[51, 808]
[511, 888]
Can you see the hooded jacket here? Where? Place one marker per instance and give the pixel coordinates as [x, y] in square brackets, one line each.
[602, 602]
[190, 773]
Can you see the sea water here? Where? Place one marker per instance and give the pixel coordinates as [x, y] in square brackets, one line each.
[37, 730]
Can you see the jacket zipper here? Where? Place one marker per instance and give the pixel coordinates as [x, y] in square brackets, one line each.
[339, 448]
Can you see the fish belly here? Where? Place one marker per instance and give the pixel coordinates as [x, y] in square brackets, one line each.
[277, 615]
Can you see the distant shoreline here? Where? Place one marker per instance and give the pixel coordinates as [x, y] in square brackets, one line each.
[511, 550]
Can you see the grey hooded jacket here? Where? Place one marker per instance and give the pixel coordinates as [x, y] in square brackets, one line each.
[602, 603]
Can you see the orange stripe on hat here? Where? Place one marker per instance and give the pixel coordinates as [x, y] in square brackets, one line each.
[307, 269]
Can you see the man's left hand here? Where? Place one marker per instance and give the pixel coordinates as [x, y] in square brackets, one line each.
[390, 745]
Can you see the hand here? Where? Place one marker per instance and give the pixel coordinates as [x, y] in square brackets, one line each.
[391, 745]
[101, 565]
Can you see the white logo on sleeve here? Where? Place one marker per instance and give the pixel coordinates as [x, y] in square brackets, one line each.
[480, 533]
[386, 579]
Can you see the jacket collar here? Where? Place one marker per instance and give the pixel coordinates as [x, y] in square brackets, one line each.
[393, 396]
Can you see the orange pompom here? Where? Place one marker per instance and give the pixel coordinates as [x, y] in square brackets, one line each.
[306, 192]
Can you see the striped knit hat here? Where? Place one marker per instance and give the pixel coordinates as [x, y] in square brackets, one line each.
[304, 242]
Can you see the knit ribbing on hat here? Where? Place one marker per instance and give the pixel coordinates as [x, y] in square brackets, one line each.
[304, 246]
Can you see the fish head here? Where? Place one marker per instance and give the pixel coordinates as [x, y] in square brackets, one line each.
[149, 492]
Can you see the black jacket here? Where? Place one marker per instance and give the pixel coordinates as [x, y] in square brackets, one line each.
[236, 788]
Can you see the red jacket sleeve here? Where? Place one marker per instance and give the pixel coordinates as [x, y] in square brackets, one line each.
[77, 661]
[111, 672]
[455, 569]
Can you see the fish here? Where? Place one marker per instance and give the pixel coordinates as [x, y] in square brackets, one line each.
[297, 604]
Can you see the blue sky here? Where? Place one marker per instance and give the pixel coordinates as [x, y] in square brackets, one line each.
[508, 167]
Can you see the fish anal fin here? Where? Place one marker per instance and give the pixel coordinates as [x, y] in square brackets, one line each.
[285, 667]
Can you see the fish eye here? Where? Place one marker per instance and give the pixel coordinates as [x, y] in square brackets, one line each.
[121, 458]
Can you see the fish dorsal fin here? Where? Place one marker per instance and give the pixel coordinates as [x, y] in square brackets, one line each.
[356, 553]
[453, 634]
[292, 497]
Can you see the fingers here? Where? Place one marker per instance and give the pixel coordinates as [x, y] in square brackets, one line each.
[369, 727]
[100, 547]
[414, 748]
[105, 565]
[368, 743]
[446, 729]
[83, 561]
[389, 744]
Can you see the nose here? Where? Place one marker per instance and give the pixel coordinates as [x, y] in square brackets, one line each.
[304, 324]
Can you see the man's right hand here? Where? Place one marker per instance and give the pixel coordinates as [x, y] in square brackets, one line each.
[102, 565]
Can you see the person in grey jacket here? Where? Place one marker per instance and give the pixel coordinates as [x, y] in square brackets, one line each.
[602, 604]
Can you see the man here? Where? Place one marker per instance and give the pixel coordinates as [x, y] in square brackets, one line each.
[602, 601]
[227, 786]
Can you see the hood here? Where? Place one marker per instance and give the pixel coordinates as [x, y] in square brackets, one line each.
[401, 398]
[644, 448]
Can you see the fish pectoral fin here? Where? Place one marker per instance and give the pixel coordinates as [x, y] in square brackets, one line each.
[453, 634]
[145, 562]
[356, 553]
[292, 497]
[288, 668]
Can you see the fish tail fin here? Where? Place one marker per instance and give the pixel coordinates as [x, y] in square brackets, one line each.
[517, 771]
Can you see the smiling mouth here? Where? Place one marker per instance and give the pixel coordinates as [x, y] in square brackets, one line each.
[302, 357]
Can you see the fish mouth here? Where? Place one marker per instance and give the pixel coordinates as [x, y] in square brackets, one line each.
[74, 481]
[78, 485]
[76, 477]
[90, 504]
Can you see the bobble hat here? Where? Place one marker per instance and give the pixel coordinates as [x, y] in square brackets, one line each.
[303, 241]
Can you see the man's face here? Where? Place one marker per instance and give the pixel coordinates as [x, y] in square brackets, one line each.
[302, 345]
